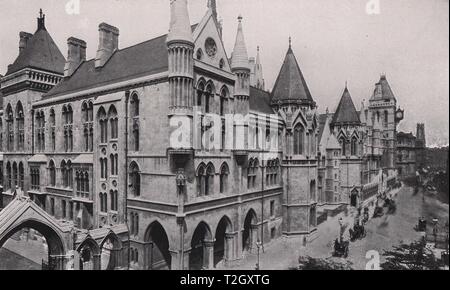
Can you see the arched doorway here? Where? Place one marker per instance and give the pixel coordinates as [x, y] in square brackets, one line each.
[250, 233]
[54, 246]
[223, 246]
[110, 252]
[89, 253]
[202, 248]
[157, 248]
[354, 198]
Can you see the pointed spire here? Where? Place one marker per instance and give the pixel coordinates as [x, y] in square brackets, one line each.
[258, 58]
[180, 25]
[240, 55]
[290, 42]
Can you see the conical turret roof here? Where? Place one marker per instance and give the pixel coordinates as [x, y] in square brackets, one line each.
[290, 84]
[180, 25]
[346, 112]
[240, 55]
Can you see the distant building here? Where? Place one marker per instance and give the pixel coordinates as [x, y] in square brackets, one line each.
[406, 154]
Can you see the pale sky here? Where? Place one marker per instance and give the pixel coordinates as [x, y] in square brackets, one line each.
[334, 40]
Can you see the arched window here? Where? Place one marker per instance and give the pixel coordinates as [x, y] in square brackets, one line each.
[201, 173]
[200, 93]
[114, 164]
[135, 179]
[103, 202]
[135, 121]
[354, 146]
[342, 141]
[134, 229]
[103, 125]
[15, 175]
[40, 131]
[224, 101]
[299, 134]
[113, 121]
[52, 121]
[224, 172]
[209, 179]
[52, 173]
[20, 126]
[386, 119]
[21, 175]
[10, 127]
[103, 168]
[252, 172]
[63, 173]
[209, 97]
[9, 175]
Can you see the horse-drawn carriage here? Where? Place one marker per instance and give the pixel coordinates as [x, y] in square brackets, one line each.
[378, 212]
[391, 206]
[421, 225]
[341, 248]
[358, 232]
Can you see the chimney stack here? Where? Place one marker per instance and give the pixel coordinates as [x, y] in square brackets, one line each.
[108, 43]
[76, 55]
[24, 38]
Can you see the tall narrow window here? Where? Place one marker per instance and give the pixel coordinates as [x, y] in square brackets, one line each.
[103, 125]
[299, 140]
[113, 122]
[9, 175]
[22, 175]
[10, 128]
[135, 180]
[224, 172]
[20, 126]
[354, 147]
[200, 175]
[135, 121]
[209, 182]
[52, 122]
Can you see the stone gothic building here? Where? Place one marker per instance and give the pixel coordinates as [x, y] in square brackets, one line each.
[91, 145]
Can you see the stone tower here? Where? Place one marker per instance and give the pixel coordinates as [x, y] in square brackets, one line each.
[421, 146]
[383, 109]
[292, 100]
[240, 67]
[180, 45]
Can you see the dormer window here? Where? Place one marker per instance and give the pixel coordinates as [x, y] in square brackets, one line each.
[199, 54]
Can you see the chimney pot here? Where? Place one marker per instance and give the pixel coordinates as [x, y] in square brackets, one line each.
[108, 43]
[24, 38]
[76, 55]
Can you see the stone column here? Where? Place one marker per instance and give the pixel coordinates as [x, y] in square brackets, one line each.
[208, 254]
[229, 247]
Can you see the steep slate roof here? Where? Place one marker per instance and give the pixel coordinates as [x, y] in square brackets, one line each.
[346, 112]
[383, 90]
[260, 101]
[322, 121]
[42, 53]
[149, 57]
[290, 84]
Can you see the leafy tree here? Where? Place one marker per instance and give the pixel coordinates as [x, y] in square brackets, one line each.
[415, 256]
[308, 263]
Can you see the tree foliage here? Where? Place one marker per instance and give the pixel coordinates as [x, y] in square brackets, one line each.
[309, 263]
[414, 256]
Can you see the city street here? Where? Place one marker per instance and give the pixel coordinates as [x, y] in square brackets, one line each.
[382, 234]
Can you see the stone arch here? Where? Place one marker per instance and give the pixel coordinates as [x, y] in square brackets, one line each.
[110, 251]
[223, 245]
[55, 242]
[157, 245]
[89, 252]
[135, 178]
[250, 230]
[202, 247]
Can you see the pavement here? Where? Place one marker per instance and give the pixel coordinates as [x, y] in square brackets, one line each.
[382, 234]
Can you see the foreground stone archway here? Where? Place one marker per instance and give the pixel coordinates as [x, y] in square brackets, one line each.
[22, 213]
[250, 231]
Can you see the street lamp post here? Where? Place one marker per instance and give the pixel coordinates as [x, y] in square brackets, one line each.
[258, 245]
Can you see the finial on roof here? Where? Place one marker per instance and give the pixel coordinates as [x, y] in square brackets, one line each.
[290, 42]
[240, 18]
[327, 111]
[41, 20]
